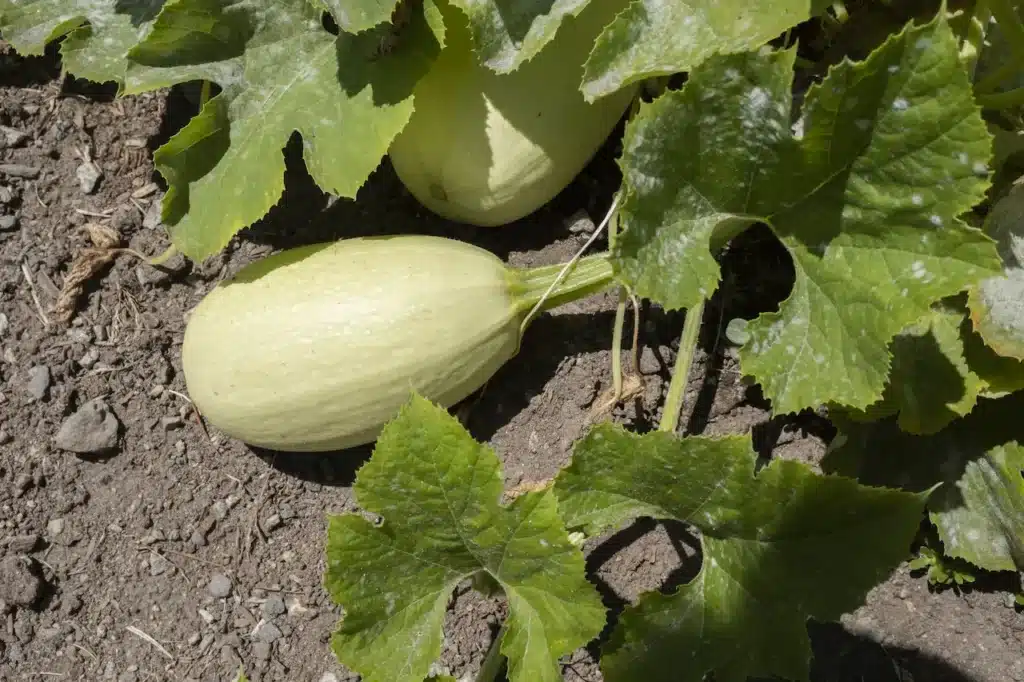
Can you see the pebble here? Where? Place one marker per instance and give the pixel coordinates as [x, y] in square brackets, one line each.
[18, 585]
[90, 358]
[22, 482]
[55, 526]
[18, 170]
[92, 429]
[89, 175]
[158, 565]
[5, 324]
[5, 437]
[13, 137]
[220, 510]
[220, 586]
[8, 223]
[22, 544]
[170, 423]
[580, 223]
[38, 384]
[328, 677]
[261, 651]
[272, 522]
[274, 607]
[267, 632]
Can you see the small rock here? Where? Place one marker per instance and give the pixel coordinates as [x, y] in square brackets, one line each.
[12, 137]
[207, 617]
[23, 544]
[274, 607]
[5, 437]
[22, 482]
[153, 537]
[90, 358]
[18, 170]
[267, 632]
[55, 527]
[261, 651]
[153, 218]
[89, 175]
[194, 639]
[8, 223]
[158, 565]
[38, 384]
[580, 223]
[18, 584]
[272, 522]
[72, 605]
[171, 423]
[92, 429]
[5, 324]
[220, 510]
[328, 677]
[220, 586]
[6, 194]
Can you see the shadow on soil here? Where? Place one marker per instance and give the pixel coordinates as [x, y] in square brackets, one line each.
[838, 655]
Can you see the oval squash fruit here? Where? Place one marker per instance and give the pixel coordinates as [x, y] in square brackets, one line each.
[487, 149]
[316, 348]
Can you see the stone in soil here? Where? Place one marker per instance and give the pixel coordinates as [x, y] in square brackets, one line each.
[220, 586]
[38, 384]
[274, 607]
[91, 430]
[19, 585]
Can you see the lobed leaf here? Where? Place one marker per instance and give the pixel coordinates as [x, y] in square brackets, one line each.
[977, 464]
[508, 33]
[98, 34]
[281, 73]
[653, 38]
[438, 493]
[865, 197]
[778, 547]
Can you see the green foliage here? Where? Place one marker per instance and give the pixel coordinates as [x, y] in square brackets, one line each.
[778, 547]
[438, 493]
[900, 207]
[866, 201]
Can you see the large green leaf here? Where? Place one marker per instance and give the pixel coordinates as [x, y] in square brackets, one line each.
[977, 463]
[281, 73]
[438, 492]
[655, 38]
[866, 200]
[507, 33]
[778, 547]
[98, 33]
[997, 304]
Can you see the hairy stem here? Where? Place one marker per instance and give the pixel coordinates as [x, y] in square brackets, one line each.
[681, 371]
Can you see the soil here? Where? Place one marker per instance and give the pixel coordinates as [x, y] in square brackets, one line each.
[180, 554]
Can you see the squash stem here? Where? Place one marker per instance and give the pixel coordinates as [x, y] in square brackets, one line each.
[589, 275]
[681, 371]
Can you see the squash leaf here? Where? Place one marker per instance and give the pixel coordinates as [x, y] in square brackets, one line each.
[653, 38]
[97, 34]
[865, 197]
[438, 492]
[779, 546]
[978, 465]
[997, 304]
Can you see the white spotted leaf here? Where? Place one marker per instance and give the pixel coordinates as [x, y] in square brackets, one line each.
[280, 73]
[997, 304]
[865, 193]
[97, 34]
[655, 38]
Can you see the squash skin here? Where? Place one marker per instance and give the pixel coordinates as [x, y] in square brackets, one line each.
[488, 149]
[315, 348]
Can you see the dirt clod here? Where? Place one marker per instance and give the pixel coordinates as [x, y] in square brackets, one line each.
[90, 430]
[19, 585]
